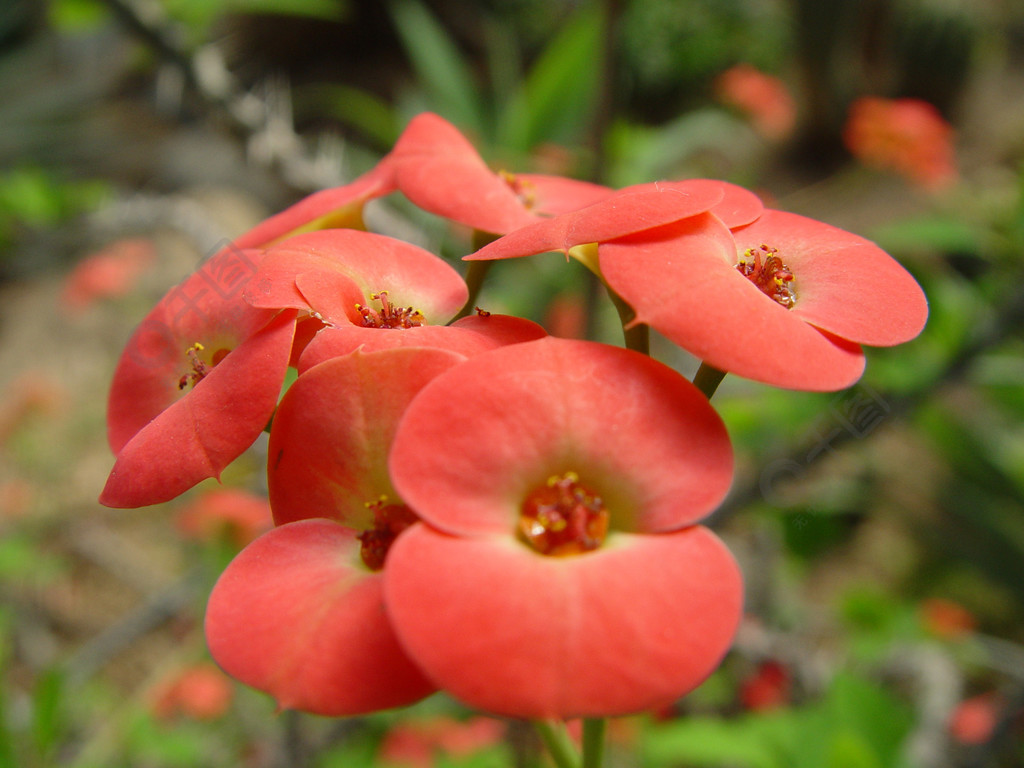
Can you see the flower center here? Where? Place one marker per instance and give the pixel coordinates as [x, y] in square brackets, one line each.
[563, 517]
[389, 520]
[199, 366]
[770, 275]
[389, 316]
[525, 190]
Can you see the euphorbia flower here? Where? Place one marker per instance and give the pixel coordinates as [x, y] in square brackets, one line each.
[785, 300]
[373, 292]
[908, 136]
[764, 294]
[558, 571]
[764, 98]
[441, 172]
[196, 384]
[299, 613]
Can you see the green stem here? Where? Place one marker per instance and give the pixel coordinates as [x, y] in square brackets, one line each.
[558, 743]
[707, 379]
[637, 337]
[475, 276]
[593, 741]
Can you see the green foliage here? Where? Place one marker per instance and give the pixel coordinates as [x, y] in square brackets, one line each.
[857, 724]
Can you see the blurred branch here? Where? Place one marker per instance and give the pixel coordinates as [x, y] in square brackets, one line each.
[264, 119]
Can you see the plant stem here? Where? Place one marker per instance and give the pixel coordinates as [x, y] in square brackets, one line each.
[637, 337]
[475, 276]
[556, 739]
[593, 741]
[707, 379]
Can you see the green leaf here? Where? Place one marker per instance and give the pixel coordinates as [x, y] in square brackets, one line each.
[557, 99]
[359, 109]
[440, 66]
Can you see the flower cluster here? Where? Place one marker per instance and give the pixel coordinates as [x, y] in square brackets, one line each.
[460, 501]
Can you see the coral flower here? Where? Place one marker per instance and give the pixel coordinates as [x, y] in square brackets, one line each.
[437, 168]
[907, 136]
[195, 385]
[785, 300]
[374, 292]
[764, 294]
[299, 613]
[111, 272]
[764, 98]
[559, 482]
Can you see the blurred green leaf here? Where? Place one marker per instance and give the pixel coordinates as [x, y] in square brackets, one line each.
[76, 16]
[47, 713]
[440, 66]
[934, 233]
[367, 113]
[556, 101]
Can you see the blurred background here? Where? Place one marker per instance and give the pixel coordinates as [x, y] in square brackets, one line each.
[881, 529]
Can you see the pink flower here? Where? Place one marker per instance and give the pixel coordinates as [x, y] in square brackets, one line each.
[200, 691]
[299, 613]
[195, 385]
[907, 136]
[559, 482]
[764, 98]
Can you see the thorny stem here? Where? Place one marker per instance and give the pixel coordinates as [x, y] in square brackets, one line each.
[559, 746]
[707, 379]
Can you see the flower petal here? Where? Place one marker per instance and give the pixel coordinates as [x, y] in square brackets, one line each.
[207, 429]
[333, 429]
[554, 195]
[468, 336]
[681, 280]
[411, 275]
[441, 172]
[478, 439]
[296, 615]
[845, 284]
[329, 208]
[630, 210]
[633, 625]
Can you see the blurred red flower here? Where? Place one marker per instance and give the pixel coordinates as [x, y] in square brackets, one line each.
[226, 513]
[108, 273]
[907, 136]
[767, 688]
[419, 743]
[764, 98]
[200, 692]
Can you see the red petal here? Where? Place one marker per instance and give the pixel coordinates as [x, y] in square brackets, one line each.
[411, 275]
[630, 210]
[469, 336]
[554, 195]
[297, 616]
[844, 284]
[207, 429]
[326, 209]
[630, 626]
[440, 171]
[327, 455]
[478, 439]
[681, 281]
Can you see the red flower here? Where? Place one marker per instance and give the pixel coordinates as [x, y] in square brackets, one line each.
[441, 172]
[201, 692]
[908, 136]
[196, 384]
[226, 513]
[108, 273]
[299, 613]
[764, 98]
[374, 292]
[419, 743]
[559, 482]
[767, 295]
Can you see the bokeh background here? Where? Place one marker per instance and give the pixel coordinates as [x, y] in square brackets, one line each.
[881, 529]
